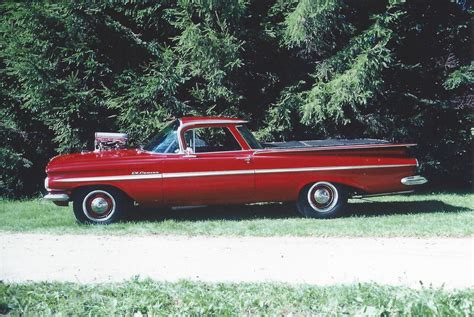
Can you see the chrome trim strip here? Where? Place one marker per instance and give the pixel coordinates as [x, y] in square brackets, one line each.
[328, 168]
[384, 194]
[108, 178]
[178, 135]
[222, 173]
[414, 180]
[207, 173]
[213, 121]
[57, 197]
[330, 148]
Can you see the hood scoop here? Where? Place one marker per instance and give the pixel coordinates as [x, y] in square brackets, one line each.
[105, 141]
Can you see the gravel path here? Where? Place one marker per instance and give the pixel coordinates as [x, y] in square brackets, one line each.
[320, 261]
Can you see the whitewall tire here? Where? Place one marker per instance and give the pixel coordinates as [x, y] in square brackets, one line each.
[100, 205]
[322, 200]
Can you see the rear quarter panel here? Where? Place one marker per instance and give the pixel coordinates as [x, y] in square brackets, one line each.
[361, 169]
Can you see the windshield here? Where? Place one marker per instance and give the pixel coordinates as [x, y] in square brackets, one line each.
[166, 141]
[249, 138]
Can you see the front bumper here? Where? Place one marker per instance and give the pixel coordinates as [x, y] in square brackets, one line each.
[57, 197]
[414, 180]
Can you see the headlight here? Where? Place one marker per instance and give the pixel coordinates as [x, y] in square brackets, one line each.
[46, 183]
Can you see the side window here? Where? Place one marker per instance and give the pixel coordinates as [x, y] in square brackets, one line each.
[249, 138]
[211, 140]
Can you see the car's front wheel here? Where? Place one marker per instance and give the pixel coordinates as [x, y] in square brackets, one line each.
[100, 205]
[322, 200]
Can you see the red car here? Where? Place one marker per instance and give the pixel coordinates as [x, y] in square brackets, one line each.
[210, 160]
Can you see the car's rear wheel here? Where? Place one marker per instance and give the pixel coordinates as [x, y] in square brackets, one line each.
[100, 205]
[322, 200]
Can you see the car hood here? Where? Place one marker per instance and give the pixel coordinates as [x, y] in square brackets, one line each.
[104, 158]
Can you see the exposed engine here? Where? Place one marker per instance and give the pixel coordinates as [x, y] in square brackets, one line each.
[105, 141]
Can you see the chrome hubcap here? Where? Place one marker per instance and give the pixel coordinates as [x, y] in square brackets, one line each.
[99, 205]
[322, 196]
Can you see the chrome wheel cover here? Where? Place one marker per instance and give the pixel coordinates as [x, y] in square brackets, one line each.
[98, 205]
[322, 197]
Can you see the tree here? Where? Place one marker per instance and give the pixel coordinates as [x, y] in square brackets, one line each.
[399, 70]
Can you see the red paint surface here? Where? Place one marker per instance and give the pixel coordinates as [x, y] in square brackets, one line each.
[245, 188]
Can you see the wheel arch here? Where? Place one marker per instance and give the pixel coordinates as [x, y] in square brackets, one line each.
[77, 189]
[350, 186]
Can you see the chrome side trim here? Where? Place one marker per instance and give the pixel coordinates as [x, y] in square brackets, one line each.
[414, 180]
[328, 168]
[108, 178]
[57, 197]
[384, 194]
[207, 173]
[223, 173]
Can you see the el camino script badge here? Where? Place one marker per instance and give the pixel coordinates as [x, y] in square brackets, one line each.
[144, 173]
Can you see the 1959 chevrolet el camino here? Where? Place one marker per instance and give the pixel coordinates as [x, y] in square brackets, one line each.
[212, 160]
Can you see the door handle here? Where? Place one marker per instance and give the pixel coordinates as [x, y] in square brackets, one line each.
[246, 159]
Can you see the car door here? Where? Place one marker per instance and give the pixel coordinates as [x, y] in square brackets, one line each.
[215, 169]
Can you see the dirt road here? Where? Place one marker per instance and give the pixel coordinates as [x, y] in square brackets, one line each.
[321, 261]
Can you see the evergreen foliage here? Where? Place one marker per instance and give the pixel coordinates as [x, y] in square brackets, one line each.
[398, 70]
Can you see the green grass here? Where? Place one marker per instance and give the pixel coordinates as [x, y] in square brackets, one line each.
[421, 215]
[140, 297]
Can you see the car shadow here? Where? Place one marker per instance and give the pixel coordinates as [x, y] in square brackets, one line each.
[219, 212]
[368, 208]
[356, 208]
